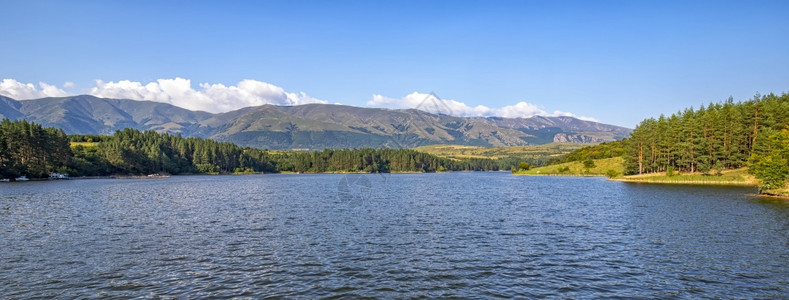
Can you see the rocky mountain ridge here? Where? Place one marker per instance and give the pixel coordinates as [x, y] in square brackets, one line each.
[311, 126]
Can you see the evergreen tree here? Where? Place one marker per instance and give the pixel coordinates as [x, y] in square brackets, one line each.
[718, 136]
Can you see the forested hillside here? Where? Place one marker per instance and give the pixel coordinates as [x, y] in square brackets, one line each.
[29, 149]
[599, 151]
[131, 151]
[370, 160]
[715, 137]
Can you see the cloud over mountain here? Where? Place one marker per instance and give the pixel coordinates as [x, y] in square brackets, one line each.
[17, 90]
[433, 104]
[217, 98]
[176, 91]
[209, 97]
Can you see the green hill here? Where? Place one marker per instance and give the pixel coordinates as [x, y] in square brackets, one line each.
[536, 151]
[311, 126]
[606, 166]
[726, 177]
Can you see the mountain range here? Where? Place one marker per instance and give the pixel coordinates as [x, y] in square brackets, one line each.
[310, 126]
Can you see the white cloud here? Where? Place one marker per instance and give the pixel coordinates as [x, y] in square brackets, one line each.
[221, 98]
[430, 103]
[23, 91]
[433, 104]
[520, 110]
[568, 114]
[177, 91]
[209, 97]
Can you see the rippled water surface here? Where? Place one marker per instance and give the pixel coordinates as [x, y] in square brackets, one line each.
[403, 235]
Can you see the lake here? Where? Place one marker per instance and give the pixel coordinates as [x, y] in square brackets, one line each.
[470, 234]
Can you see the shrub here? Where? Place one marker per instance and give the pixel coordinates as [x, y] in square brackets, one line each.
[718, 168]
[772, 167]
[589, 163]
[670, 172]
[207, 168]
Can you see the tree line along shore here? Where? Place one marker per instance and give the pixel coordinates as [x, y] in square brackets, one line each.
[739, 143]
[32, 150]
[730, 143]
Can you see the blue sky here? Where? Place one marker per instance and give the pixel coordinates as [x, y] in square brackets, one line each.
[615, 61]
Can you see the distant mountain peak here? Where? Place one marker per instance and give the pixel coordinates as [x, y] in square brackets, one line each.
[312, 126]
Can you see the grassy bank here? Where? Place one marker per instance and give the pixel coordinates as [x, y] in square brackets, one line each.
[738, 177]
[464, 152]
[84, 144]
[782, 193]
[601, 167]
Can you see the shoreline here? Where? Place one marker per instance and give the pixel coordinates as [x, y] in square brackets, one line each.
[561, 175]
[751, 184]
[686, 182]
[239, 174]
[785, 198]
[733, 177]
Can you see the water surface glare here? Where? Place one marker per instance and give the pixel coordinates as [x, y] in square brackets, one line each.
[479, 235]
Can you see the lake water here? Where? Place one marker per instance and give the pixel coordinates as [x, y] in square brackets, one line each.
[479, 235]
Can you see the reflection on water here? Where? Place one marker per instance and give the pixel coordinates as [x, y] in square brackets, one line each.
[411, 235]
